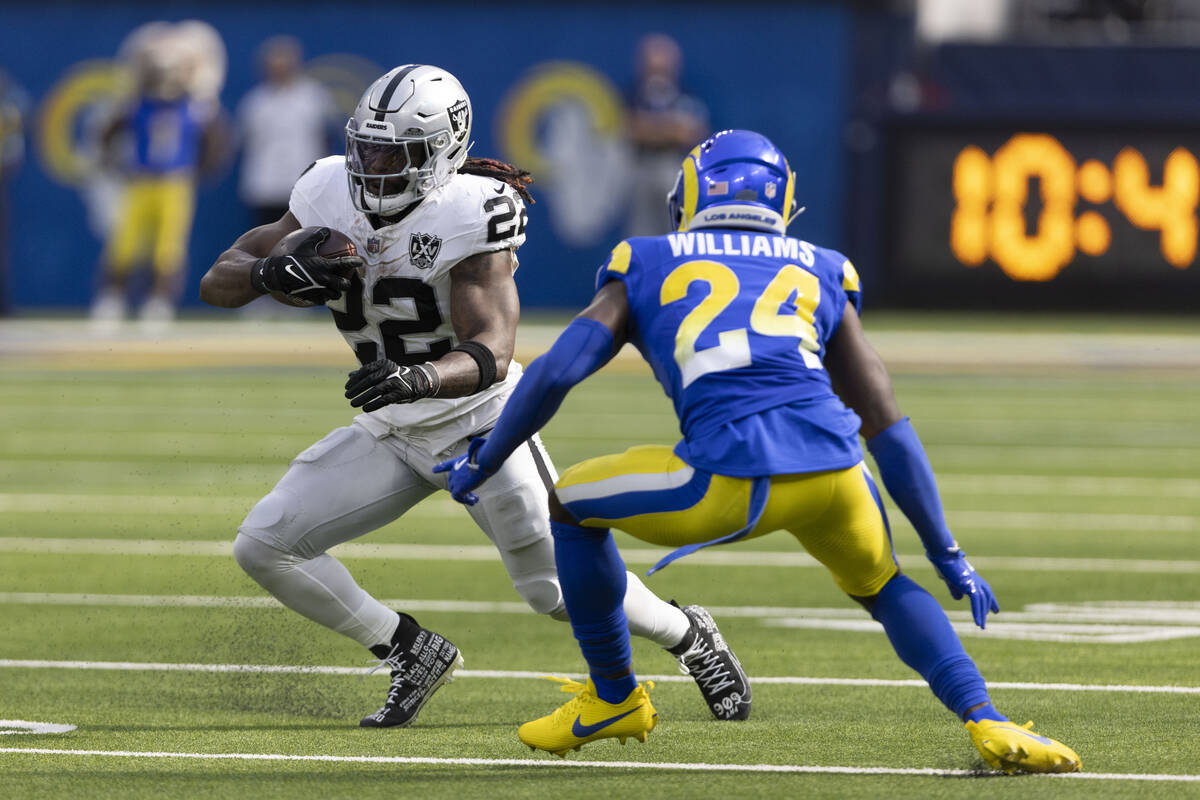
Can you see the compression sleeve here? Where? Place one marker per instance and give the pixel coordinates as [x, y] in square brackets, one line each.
[905, 471]
[584, 347]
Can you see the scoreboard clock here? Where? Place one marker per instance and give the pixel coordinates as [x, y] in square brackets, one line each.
[1042, 216]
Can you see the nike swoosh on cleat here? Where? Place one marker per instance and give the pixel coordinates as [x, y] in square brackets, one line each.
[581, 730]
[1030, 734]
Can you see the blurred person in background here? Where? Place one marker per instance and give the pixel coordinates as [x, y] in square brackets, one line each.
[13, 104]
[170, 131]
[284, 125]
[664, 124]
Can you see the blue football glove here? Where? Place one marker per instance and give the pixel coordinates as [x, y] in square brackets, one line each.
[465, 474]
[962, 579]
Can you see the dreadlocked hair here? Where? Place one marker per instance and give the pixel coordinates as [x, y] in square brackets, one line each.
[515, 177]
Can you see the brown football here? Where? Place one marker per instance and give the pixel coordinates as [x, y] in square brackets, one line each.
[337, 245]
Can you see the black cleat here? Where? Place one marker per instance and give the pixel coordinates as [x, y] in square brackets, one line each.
[418, 670]
[714, 667]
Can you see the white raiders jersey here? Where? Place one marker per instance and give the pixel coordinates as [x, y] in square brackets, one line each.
[399, 304]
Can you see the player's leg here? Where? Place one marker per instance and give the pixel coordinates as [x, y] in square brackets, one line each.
[126, 244]
[648, 492]
[175, 212]
[512, 512]
[689, 634]
[342, 487]
[851, 538]
[612, 704]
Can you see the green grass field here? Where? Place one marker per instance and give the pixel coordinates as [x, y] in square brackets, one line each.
[1072, 482]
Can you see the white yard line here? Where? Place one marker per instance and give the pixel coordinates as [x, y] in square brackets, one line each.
[540, 763]
[1104, 623]
[965, 482]
[1100, 612]
[39, 502]
[1069, 485]
[786, 680]
[632, 555]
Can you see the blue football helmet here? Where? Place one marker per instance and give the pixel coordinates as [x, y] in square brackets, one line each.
[734, 179]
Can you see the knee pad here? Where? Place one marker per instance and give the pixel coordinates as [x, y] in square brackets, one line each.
[543, 594]
[256, 559]
[278, 522]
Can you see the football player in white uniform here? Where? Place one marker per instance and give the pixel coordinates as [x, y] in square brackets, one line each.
[430, 308]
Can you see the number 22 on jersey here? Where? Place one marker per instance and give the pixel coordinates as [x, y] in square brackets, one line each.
[733, 346]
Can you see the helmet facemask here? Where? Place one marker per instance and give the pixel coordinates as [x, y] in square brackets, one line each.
[387, 173]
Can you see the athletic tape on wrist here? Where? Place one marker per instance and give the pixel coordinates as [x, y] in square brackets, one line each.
[484, 359]
[256, 276]
[432, 375]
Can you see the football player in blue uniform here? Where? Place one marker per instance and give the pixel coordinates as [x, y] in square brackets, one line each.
[756, 339]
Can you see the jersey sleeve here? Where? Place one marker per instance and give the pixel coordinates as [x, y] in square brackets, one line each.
[305, 200]
[851, 284]
[502, 218]
[618, 266]
[839, 285]
[478, 215]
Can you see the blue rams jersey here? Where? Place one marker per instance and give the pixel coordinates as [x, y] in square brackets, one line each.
[734, 325]
[166, 136]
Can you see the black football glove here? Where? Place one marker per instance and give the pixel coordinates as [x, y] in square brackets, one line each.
[305, 275]
[383, 382]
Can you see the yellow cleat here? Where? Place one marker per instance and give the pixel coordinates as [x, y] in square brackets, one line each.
[1016, 748]
[586, 718]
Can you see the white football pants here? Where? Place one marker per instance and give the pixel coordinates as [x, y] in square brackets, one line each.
[351, 483]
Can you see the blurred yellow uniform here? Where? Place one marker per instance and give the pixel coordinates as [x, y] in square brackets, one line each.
[155, 222]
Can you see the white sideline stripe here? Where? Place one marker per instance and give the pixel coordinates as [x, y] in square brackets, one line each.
[546, 763]
[785, 680]
[54, 503]
[632, 555]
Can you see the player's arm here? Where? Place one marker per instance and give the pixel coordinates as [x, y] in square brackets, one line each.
[247, 269]
[484, 309]
[587, 344]
[862, 381]
[227, 282]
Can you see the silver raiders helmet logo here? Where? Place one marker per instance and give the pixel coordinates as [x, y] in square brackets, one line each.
[423, 249]
[460, 119]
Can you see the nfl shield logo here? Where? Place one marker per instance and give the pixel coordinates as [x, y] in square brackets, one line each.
[374, 245]
[423, 249]
[769, 190]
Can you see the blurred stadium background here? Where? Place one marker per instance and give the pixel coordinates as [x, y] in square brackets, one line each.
[1017, 183]
[1005, 154]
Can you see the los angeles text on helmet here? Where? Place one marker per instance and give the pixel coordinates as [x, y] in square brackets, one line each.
[741, 244]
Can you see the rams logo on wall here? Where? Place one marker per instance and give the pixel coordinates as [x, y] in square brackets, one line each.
[565, 123]
[71, 115]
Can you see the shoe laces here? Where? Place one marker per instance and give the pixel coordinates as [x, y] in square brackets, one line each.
[398, 667]
[569, 686]
[706, 666]
[582, 696]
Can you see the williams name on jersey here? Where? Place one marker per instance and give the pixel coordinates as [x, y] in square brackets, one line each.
[399, 306]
